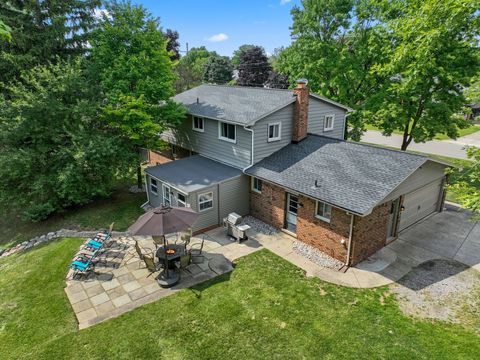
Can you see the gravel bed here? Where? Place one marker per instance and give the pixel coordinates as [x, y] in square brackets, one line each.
[259, 226]
[443, 290]
[316, 256]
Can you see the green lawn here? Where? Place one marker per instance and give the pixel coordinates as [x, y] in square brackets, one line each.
[264, 309]
[122, 207]
[461, 132]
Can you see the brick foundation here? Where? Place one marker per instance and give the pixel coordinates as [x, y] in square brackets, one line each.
[370, 233]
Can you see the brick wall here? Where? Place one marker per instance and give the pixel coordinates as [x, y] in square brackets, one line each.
[158, 157]
[269, 206]
[327, 237]
[370, 233]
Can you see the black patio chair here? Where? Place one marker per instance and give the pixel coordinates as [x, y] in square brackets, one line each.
[196, 250]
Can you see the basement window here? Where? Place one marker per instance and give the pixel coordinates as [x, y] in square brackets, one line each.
[227, 132]
[328, 124]
[274, 132]
[323, 211]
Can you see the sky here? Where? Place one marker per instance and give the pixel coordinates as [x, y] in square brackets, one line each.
[224, 25]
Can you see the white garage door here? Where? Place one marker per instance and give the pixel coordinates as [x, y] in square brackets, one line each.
[420, 203]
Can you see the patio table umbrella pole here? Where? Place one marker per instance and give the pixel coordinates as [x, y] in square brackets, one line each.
[159, 222]
[164, 246]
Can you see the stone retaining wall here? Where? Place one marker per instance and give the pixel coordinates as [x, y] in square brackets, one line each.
[51, 236]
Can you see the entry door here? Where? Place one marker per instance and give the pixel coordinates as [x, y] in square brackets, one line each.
[166, 195]
[291, 212]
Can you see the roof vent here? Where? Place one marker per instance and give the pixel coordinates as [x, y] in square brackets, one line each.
[198, 101]
[317, 184]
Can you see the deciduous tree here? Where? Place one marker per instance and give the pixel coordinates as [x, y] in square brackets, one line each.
[54, 151]
[253, 67]
[218, 70]
[434, 57]
[130, 59]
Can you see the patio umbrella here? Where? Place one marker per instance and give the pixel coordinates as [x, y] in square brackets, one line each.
[160, 222]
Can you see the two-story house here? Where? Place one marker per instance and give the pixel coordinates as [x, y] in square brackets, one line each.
[280, 156]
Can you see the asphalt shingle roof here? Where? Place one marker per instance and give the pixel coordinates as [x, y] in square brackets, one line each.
[242, 105]
[193, 173]
[352, 176]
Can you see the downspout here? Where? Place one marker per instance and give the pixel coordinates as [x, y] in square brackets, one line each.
[345, 124]
[146, 190]
[350, 237]
[251, 151]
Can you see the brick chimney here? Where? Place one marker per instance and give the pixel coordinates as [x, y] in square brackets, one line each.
[300, 120]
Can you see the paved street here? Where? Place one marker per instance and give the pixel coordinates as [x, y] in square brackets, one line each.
[451, 148]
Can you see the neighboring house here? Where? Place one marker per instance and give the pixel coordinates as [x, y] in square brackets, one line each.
[280, 156]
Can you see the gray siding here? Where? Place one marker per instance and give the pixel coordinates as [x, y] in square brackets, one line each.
[263, 148]
[157, 199]
[427, 173]
[208, 217]
[208, 144]
[154, 199]
[317, 110]
[234, 196]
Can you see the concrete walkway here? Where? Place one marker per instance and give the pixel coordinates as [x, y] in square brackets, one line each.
[447, 235]
[450, 148]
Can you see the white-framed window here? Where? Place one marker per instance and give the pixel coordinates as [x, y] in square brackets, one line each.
[153, 186]
[205, 201]
[166, 194]
[274, 132]
[197, 124]
[257, 185]
[328, 124]
[323, 211]
[181, 200]
[227, 132]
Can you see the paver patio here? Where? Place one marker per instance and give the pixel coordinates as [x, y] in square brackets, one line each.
[121, 282]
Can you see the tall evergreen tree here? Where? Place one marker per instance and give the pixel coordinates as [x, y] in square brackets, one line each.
[42, 32]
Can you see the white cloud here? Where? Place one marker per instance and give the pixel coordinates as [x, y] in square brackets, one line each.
[218, 37]
[283, 2]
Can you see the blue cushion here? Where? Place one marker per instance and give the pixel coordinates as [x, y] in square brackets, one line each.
[80, 265]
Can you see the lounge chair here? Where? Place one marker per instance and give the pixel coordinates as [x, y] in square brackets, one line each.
[81, 265]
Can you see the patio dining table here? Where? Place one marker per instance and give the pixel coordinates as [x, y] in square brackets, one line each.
[172, 253]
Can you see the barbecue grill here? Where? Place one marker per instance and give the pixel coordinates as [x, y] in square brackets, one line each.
[234, 229]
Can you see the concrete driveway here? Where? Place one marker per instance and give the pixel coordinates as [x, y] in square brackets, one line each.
[447, 235]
